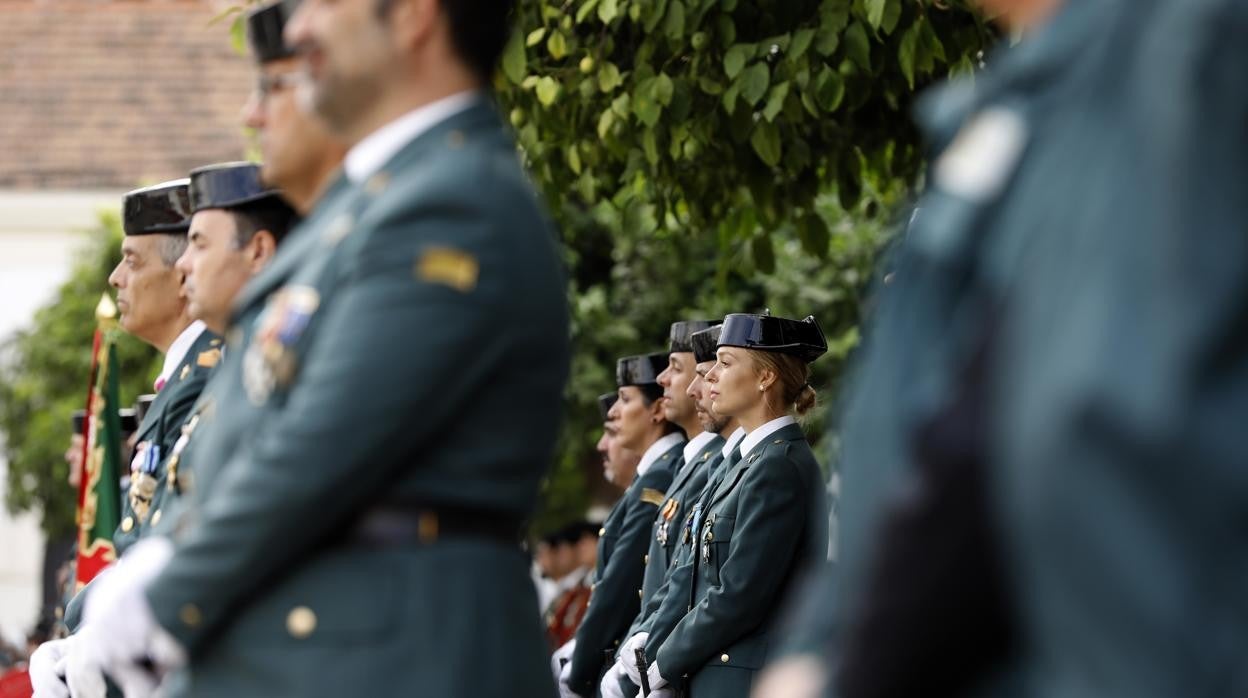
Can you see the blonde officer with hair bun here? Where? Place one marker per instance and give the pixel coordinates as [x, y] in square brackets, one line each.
[759, 526]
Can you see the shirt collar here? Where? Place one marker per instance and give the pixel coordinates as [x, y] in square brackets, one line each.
[368, 156]
[657, 449]
[733, 439]
[177, 350]
[696, 444]
[756, 437]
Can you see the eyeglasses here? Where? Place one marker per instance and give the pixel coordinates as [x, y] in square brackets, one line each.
[268, 84]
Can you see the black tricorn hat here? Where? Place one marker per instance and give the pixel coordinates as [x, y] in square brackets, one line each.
[704, 343]
[142, 405]
[229, 185]
[129, 420]
[605, 402]
[264, 31]
[163, 208]
[77, 420]
[801, 338]
[640, 370]
[683, 329]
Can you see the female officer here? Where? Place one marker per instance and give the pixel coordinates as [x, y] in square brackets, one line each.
[762, 523]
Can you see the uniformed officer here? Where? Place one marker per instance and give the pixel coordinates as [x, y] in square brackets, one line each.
[429, 281]
[155, 221]
[299, 156]
[642, 426]
[764, 522]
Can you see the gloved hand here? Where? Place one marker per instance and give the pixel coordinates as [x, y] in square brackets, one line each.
[564, 691]
[610, 686]
[123, 632]
[628, 656]
[659, 693]
[47, 668]
[83, 674]
[800, 676]
[561, 656]
[656, 679]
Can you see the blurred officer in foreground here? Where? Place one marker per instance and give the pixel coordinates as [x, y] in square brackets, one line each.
[430, 282]
[1085, 444]
[300, 157]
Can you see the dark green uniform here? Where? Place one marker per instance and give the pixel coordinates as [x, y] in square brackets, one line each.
[762, 526]
[355, 546]
[622, 545]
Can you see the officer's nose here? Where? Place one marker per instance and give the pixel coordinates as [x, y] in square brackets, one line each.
[252, 114]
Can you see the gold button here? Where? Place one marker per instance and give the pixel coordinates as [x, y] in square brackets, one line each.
[723, 658]
[127, 524]
[300, 622]
[602, 531]
[185, 371]
[646, 559]
[156, 517]
[778, 441]
[639, 593]
[190, 615]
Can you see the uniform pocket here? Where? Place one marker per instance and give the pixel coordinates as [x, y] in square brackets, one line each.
[716, 540]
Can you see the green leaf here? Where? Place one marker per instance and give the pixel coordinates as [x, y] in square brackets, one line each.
[766, 142]
[802, 39]
[587, 7]
[646, 108]
[709, 86]
[754, 83]
[674, 25]
[662, 89]
[238, 35]
[775, 102]
[814, 235]
[605, 122]
[654, 14]
[557, 45]
[574, 159]
[608, 10]
[547, 90]
[514, 59]
[932, 42]
[735, 59]
[907, 51]
[764, 254]
[892, 14]
[621, 106]
[535, 37]
[829, 89]
[857, 46]
[608, 77]
[650, 146]
[729, 100]
[875, 12]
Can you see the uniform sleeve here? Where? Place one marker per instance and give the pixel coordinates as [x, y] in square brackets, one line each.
[615, 601]
[770, 519]
[326, 454]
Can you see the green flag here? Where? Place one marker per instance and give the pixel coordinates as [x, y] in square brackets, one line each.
[99, 495]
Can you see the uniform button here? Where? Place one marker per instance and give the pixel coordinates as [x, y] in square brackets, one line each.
[127, 524]
[602, 531]
[646, 559]
[186, 371]
[190, 615]
[300, 622]
[723, 658]
[639, 593]
[778, 441]
[156, 517]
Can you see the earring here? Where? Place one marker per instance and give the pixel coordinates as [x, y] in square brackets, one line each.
[761, 388]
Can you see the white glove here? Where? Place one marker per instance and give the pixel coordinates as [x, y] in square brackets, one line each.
[121, 630]
[47, 669]
[561, 656]
[656, 679]
[628, 656]
[564, 691]
[83, 674]
[658, 693]
[610, 686]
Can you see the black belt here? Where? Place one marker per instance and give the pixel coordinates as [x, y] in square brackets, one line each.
[428, 525]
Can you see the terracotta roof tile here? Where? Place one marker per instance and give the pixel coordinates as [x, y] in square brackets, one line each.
[109, 94]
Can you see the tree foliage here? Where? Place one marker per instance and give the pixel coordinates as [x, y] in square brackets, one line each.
[43, 379]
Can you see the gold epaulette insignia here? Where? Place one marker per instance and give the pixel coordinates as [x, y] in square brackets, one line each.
[209, 358]
[652, 496]
[449, 267]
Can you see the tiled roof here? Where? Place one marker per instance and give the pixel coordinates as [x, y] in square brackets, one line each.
[114, 93]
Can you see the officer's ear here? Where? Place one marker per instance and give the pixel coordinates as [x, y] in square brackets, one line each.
[412, 22]
[260, 250]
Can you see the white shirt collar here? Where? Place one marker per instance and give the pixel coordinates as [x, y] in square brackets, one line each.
[177, 350]
[657, 449]
[733, 439]
[696, 444]
[756, 437]
[375, 150]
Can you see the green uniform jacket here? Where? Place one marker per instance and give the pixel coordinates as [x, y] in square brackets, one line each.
[765, 524]
[162, 425]
[622, 545]
[411, 312]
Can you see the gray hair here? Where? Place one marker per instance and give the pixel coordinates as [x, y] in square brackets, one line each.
[172, 247]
